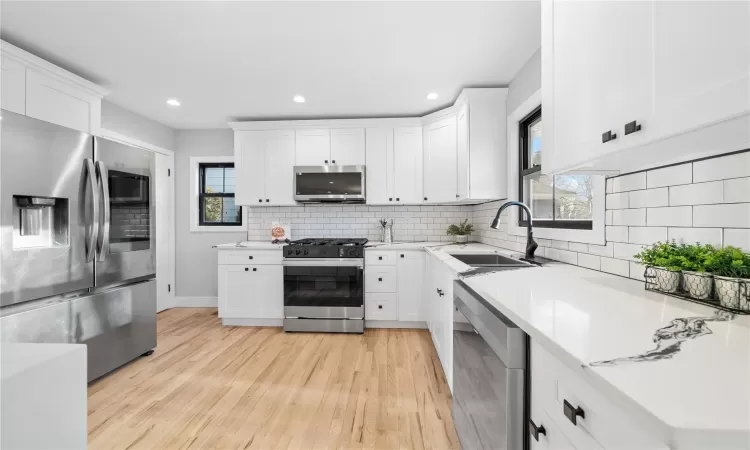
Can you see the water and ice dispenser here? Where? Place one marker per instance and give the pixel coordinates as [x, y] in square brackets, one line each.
[40, 222]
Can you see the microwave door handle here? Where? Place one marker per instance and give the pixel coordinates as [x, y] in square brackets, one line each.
[88, 166]
[103, 243]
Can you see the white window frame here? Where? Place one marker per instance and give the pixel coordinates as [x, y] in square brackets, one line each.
[195, 162]
[593, 236]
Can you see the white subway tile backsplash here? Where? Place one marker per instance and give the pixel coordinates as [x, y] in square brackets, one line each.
[723, 168]
[630, 182]
[589, 261]
[608, 217]
[609, 185]
[578, 247]
[629, 217]
[615, 266]
[737, 237]
[562, 255]
[649, 198]
[626, 251]
[670, 176]
[697, 194]
[646, 235]
[602, 250]
[713, 236]
[737, 190]
[677, 216]
[637, 271]
[559, 244]
[617, 201]
[733, 215]
[616, 234]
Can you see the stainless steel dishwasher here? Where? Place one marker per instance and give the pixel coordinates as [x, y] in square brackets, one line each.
[489, 365]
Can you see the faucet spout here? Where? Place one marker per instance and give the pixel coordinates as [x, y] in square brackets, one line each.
[531, 244]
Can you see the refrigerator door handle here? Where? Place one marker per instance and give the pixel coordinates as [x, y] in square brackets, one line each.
[91, 176]
[103, 241]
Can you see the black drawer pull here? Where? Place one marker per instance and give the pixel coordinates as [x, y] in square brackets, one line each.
[398, 199]
[267, 200]
[326, 161]
[440, 292]
[402, 255]
[608, 136]
[425, 199]
[390, 199]
[255, 269]
[380, 279]
[631, 127]
[250, 257]
[246, 269]
[260, 200]
[573, 413]
[333, 161]
[380, 306]
[536, 430]
[380, 258]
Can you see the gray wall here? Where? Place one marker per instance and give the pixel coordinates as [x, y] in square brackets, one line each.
[195, 259]
[133, 125]
[527, 81]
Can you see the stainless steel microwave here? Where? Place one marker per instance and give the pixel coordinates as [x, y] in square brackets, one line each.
[318, 184]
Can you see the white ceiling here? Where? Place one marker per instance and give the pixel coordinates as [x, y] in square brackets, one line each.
[246, 60]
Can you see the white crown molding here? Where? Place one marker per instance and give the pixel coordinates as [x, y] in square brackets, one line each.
[36, 63]
[115, 136]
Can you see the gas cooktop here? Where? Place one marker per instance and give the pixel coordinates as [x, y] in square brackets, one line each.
[325, 248]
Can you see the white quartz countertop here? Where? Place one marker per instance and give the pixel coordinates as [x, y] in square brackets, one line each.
[250, 245]
[679, 368]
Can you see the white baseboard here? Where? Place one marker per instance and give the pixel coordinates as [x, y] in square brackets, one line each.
[394, 324]
[196, 302]
[230, 322]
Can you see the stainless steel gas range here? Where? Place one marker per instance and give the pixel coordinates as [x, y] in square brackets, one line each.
[324, 285]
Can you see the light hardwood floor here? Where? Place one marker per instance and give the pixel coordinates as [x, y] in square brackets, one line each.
[213, 387]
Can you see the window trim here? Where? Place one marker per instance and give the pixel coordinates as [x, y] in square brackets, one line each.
[524, 171]
[195, 214]
[202, 195]
[593, 236]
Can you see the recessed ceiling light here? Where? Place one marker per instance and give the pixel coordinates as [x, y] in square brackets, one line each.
[173, 102]
[299, 99]
[432, 96]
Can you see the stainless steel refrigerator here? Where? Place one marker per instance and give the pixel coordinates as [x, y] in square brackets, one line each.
[77, 242]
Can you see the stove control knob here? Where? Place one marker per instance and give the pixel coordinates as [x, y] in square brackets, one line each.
[306, 251]
[289, 251]
[296, 252]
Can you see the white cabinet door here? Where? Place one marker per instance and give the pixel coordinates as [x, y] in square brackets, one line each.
[313, 147]
[702, 65]
[250, 166]
[279, 167]
[379, 165]
[165, 250]
[407, 164]
[411, 277]
[462, 153]
[552, 439]
[54, 101]
[13, 78]
[440, 161]
[251, 292]
[348, 146]
[602, 69]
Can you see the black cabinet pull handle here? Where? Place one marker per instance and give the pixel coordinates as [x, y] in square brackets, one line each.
[458, 196]
[260, 200]
[380, 258]
[390, 199]
[425, 199]
[440, 292]
[608, 136]
[573, 413]
[326, 161]
[250, 257]
[631, 127]
[246, 269]
[536, 430]
[267, 200]
[398, 199]
[402, 255]
[380, 306]
[380, 279]
[333, 161]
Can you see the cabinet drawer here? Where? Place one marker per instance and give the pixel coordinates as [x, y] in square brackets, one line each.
[381, 306]
[375, 258]
[380, 279]
[254, 257]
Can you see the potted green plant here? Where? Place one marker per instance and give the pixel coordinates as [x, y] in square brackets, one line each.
[663, 266]
[731, 269]
[461, 231]
[696, 278]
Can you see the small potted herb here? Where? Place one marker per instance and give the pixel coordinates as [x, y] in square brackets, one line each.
[731, 269]
[696, 279]
[663, 266]
[461, 231]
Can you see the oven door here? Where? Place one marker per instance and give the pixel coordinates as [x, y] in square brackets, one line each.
[329, 288]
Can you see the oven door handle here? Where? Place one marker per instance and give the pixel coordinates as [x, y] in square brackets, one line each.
[329, 262]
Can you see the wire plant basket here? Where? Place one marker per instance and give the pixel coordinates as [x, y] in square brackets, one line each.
[700, 288]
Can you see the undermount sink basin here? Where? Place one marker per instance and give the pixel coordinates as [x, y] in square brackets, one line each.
[489, 260]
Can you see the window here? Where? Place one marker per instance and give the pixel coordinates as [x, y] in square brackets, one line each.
[559, 201]
[216, 195]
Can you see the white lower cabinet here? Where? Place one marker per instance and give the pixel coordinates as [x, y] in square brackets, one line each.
[411, 275]
[381, 306]
[393, 286]
[438, 302]
[549, 436]
[250, 288]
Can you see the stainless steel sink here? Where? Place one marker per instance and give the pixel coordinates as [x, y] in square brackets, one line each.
[488, 260]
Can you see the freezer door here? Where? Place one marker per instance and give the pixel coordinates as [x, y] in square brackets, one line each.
[47, 226]
[126, 247]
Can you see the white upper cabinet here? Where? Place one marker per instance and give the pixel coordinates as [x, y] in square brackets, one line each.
[440, 161]
[264, 161]
[407, 164]
[462, 152]
[379, 175]
[618, 76]
[39, 89]
[313, 147]
[13, 79]
[348, 146]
